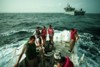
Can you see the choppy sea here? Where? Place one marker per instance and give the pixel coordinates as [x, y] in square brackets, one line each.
[16, 27]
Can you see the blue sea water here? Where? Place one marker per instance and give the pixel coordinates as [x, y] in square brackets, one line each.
[16, 27]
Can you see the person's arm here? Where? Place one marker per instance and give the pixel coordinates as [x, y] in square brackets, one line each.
[47, 31]
[23, 50]
[77, 36]
[42, 32]
[53, 31]
[41, 44]
[37, 43]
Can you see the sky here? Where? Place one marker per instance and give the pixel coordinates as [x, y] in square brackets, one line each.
[47, 6]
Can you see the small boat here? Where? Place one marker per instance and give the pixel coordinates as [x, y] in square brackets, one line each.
[61, 45]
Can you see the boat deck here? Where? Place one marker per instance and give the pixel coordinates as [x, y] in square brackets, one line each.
[48, 59]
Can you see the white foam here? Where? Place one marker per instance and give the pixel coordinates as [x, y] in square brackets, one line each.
[62, 36]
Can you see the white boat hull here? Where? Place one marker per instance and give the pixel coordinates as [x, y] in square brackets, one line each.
[70, 13]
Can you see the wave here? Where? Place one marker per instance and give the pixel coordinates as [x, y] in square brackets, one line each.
[14, 36]
[7, 52]
[88, 47]
[26, 24]
[16, 31]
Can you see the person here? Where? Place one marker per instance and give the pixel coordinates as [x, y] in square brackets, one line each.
[38, 32]
[38, 37]
[51, 33]
[30, 51]
[44, 34]
[73, 38]
[39, 44]
[65, 62]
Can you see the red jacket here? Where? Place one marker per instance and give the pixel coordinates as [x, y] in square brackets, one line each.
[44, 32]
[73, 34]
[50, 31]
[68, 63]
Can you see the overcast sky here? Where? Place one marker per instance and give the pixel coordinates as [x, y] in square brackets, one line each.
[90, 6]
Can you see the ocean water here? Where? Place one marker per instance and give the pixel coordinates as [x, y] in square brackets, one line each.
[16, 27]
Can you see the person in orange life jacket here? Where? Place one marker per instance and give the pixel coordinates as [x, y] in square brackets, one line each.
[73, 38]
[51, 33]
[44, 34]
[65, 62]
[31, 55]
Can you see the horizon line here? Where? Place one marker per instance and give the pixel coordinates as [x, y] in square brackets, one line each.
[46, 12]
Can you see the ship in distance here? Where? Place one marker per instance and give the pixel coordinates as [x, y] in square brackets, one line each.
[72, 11]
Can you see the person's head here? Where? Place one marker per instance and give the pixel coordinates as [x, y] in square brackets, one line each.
[38, 27]
[32, 39]
[50, 26]
[72, 29]
[44, 27]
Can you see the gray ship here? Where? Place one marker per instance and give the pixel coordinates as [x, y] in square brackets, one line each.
[72, 11]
